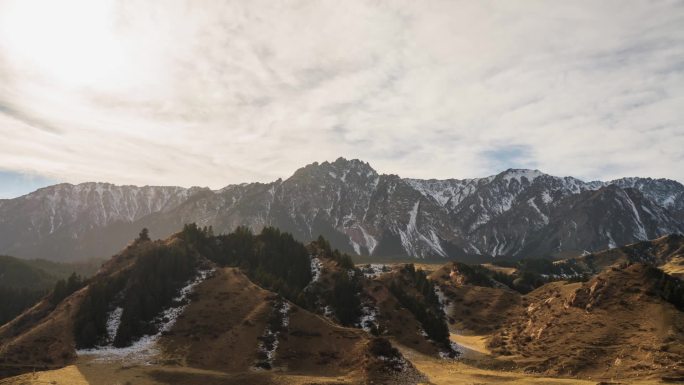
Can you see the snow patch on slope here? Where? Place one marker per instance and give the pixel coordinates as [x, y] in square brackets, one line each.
[145, 349]
[446, 308]
[268, 342]
[448, 193]
[369, 317]
[371, 242]
[355, 246]
[411, 238]
[374, 269]
[544, 217]
[640, 233]
[316, 267]
[113, 322]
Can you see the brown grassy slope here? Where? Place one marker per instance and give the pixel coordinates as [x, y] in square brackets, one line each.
[394, 320]
[614, 324]
[219, 331]
[24, 321]
[313, 345]
[219, 328]
[500, 269]
[460, 372]
[480, 310]
[474, 309]
[675, 267]
[656, 252]
[38, 338]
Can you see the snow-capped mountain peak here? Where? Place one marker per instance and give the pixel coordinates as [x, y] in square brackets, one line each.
[517, 212]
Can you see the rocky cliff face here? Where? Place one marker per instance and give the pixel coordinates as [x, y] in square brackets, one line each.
[666, 193]
[516, 213]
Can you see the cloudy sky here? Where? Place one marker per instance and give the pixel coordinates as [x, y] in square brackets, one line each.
[217, 92]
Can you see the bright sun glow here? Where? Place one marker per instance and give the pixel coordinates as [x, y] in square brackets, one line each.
[72, 42]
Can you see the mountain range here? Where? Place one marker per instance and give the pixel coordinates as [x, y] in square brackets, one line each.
[516, 213]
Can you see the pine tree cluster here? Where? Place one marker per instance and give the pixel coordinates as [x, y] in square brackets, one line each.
[90, 325]
[272, 259]
[65, 287]
[143, 291]
[344, 298]
[425, 306]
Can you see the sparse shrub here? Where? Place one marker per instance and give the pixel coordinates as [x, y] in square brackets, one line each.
[382, 347]
[495, 342]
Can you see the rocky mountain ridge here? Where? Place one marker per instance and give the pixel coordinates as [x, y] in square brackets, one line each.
[514, 213]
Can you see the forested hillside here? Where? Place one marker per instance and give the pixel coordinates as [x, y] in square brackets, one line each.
[24, 282]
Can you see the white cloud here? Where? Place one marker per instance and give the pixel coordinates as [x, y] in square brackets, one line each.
[219, 92]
